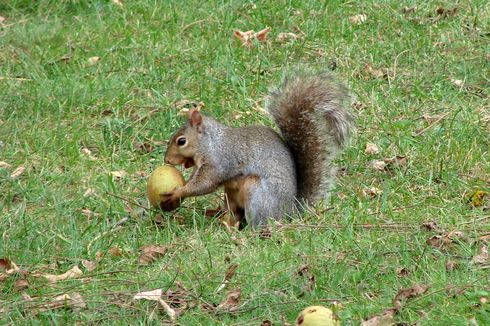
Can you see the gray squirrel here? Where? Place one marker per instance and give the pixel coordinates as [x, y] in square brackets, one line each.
[267, 175]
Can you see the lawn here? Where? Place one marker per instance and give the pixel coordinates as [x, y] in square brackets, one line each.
[90, 91]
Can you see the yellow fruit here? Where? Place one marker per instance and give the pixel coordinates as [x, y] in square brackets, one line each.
[163, 180]
[317, 316]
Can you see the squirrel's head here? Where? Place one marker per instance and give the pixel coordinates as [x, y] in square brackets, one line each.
[185, 142]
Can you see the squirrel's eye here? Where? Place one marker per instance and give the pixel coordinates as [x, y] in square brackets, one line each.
[181, 141]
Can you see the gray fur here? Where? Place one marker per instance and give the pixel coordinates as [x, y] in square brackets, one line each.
[285, 172]
[310, 112]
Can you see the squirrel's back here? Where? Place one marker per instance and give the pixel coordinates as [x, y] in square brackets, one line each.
[310, 112]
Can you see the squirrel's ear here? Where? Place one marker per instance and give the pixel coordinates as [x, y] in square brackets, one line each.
[195, 119]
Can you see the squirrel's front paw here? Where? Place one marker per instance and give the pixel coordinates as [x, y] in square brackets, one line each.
[171, 200]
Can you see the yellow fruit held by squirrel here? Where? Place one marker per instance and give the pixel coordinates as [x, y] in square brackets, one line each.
[317, 316]
[164, 180]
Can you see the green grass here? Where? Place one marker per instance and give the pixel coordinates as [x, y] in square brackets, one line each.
[155, 53]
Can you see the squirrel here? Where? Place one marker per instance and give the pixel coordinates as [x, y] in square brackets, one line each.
[268, 175]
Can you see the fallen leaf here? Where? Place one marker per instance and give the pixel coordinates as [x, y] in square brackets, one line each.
[441, 11]
[93, 60]
[230, 272]
[457, 82]
[372, 192]
[231, 301]
[405, 294]
[2, 19]
[246, 38]
[98, 256]
[409, 10]
[150, 253]
[396, 161]
[153, 295]
[117, 2]
[119, 174]
[87, 152]
[156, 295]
[184, 106]
[8, 266]
[21, 284]
[483, 256]
[71, 301]
[89, 265]
[375, 73]
[379, 165]
[266, 322]
[74, 272]
[17, 172]
[87, 212]
[403, 271]
[286, 37]
[4, 165]
[430, 226]
[115, 251]
[451, 265]
[371, 149]
[358, 19]
[144, 147]
[385, 319]
[477, 198]
[89, 192]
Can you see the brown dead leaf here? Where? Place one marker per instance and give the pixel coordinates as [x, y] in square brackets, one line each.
[93, 60]
[4, 165]
[483, 257]
[371, 149]
[156, 295]
[403, 271]
[144, 147]
[152, 295]
[409, 10]
[150, 253]
[8, 266]
[430, 226]
[89, 265]
[246, 38]
[396, 161]
[231, 271]
[385, 319]
[374, 72]
[451, 265]
[115, 251]
[231, 301]
[117, 175]
[358, 19]
[89, 192]
[266, 322]
[405, 294]
[379, 165]
[445, 12]
[98, 256]
[74, 272]
[17, 172]
[21, 284]
[438, 241]
[70, 301]
[88, 153]
[184, 106]
[457, 82]
[372, 192]
[287, 37]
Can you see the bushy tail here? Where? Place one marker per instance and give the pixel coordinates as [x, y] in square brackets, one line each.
[310, 112]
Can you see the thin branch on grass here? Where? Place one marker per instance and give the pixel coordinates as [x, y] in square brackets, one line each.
[432, 124]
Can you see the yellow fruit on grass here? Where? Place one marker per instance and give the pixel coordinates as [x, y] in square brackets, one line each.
[317, 316]
[163, 180]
